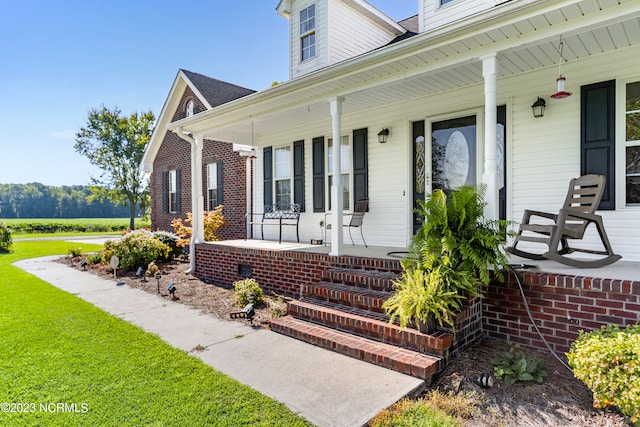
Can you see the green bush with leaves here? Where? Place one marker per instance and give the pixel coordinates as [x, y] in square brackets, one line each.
[437, 293]
[136, 249]
[6, 240]
[516, 366]
[74, 252]
[608, 362]
[245, 287]
[171, 240]
[94, 258]
[454, 227]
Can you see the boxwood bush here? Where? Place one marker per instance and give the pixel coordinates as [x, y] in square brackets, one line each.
[6, 240]
[244, 287]
[136, 249]
[608, 362]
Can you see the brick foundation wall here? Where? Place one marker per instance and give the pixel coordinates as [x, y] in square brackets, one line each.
[561, 305]
[175, 153]
[280, 272]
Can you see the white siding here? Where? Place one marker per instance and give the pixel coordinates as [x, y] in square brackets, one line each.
[434, 15]
[351, 34]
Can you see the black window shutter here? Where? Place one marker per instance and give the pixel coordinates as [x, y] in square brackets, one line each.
[268, 175]
[298, 174]
[360, 166]
[165, 192]
[597, 136]
[220, 189]
[178, 191]
[318, 174]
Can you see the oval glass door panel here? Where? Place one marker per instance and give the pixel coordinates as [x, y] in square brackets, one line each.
[456, 160]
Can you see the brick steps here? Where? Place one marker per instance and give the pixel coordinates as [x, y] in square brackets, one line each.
[361, 277]
[389, 356]
[347, 295]
[344, 313]
[369, 324]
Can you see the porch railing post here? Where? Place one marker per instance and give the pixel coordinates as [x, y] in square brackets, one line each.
[336, 187]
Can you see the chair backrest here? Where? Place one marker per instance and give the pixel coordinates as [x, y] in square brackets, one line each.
[358, 213]
[585, 193]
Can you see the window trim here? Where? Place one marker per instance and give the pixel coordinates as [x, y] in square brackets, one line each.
[621, 143]
[329, 175]
[212, 173]
[172, 189]
[309, 34]
[289, 148]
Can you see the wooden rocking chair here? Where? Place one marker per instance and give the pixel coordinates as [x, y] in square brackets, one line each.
[571, 222]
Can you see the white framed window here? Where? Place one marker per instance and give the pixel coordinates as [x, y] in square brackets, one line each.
[345, 173]
[172, 193]
[308, 33]
[189, 110]
[631, 93]
[212, 186]
[282, 167]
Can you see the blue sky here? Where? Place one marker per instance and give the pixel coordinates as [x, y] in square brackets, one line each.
[59, 58]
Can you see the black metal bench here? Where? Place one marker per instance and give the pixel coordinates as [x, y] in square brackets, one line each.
[280, 214]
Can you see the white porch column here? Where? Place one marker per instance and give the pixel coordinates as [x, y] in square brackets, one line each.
[197, 198]
[490, 176]
[336, 188]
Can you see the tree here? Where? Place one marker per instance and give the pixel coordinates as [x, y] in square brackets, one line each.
[116, 145]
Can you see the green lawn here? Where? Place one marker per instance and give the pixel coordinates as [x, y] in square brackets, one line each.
[69, 363]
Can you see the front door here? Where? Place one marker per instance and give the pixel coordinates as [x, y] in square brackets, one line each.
[453, 154]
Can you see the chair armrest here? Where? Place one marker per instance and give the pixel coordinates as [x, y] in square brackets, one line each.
[570, 213]
[530, 213]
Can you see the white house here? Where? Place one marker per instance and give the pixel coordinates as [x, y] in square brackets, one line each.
[454, 84]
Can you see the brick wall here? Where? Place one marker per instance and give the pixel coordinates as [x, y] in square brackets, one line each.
[561, 305]
[175, 153]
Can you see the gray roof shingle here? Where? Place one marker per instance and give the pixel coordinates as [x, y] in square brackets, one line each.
[215, 91]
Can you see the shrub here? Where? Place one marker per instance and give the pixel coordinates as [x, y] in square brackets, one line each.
[608, 362]
[515, 366]
[244, 288]
[213, 220]
[94, 258]
[136, 249]
[169, 239]
[6, 240]
[74, 252]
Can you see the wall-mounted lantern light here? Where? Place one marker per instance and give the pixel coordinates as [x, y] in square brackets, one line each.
[538, 107]
[383, 135]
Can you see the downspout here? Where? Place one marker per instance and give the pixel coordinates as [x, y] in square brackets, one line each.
[194, 201]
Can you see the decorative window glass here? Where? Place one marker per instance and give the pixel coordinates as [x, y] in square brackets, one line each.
[173, 195]
[190, 108]
[282, 174]
[307, 32]
[632, 143]
[212, 185]
[345, 165]
[453, 153]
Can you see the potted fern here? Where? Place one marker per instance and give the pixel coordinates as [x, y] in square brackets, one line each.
[448, 258]
[427, 297]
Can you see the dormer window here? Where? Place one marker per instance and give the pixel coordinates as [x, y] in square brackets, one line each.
[308, 32]
[189, 110]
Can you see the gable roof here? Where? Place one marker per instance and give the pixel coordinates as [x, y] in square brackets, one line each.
[215, 92]
[211, 92]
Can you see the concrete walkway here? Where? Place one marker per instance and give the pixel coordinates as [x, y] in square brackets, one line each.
[324, 387]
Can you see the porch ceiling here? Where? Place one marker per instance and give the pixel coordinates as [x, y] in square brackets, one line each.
[525, 34]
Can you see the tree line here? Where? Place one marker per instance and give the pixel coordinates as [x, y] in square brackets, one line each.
[37, 200]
